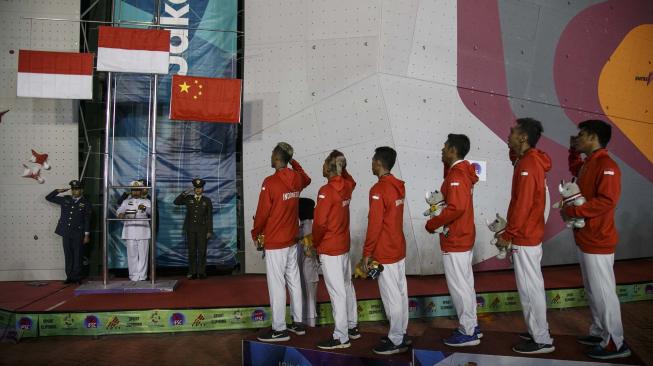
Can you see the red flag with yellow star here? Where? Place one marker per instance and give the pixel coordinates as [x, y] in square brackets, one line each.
[195, 98]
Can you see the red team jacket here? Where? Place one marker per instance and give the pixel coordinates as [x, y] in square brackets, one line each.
[457, 190]
[385, 240]
[331, 217]
[526, 211]
[599, 180]
[278, 206]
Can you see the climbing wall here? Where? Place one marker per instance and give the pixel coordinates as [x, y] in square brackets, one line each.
[357, 75]
[29, 249]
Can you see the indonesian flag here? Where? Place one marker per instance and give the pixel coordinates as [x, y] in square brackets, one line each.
[59, 75]
[203, 99]
[133, 50]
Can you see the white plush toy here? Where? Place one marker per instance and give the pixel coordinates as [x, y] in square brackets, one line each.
[498, 226]
[571, 196]
[436, 203]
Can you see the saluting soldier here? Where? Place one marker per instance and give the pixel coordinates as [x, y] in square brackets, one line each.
[198, 226]
[74, 227]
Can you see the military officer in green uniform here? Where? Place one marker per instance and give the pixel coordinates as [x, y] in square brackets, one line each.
[198, 226]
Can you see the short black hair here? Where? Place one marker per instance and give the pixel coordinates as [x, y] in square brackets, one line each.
[281, 154]
[386, 155]
[460, 143]
[306, 207]
[601, 129]
[532, 128]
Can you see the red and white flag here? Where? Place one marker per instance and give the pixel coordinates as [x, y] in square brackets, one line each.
[59, 75]
[133, 50]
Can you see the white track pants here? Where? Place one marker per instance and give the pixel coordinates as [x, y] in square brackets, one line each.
[460, 280]
[394, 294]
[281, 271]
[337, 277]
[308, 268]
[601, 292]
[530, 284]
[137, 252]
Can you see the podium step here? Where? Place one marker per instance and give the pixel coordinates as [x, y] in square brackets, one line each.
[496, 349]
[302, 350]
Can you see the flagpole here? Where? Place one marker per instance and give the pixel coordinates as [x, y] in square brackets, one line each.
[105, 187]
[153, 95]
[153, 183]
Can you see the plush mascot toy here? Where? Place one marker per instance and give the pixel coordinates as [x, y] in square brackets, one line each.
[498, 226]
[571, 196]
[373, 270]
[436, 204]
[307, 245]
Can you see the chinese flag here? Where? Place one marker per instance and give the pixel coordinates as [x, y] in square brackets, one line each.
[203, 99]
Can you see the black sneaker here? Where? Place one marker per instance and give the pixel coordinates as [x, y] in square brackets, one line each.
[333, 344]
[408, 340]
[589, 340]
[526, 336]
[354, 333]
[297, 328]
[606, 353]
[530, 348]
[274, 336]
[388, 348]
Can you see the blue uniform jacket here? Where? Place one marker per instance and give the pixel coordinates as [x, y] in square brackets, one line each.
[75, 215]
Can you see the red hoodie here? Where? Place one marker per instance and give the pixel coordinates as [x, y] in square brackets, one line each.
[278, 206]
[526, 211]
[600, 183]
[331, 221]
[385, 240]
[457, 190]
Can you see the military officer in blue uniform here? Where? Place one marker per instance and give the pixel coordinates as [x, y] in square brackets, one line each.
[198, 226]
[74, 227]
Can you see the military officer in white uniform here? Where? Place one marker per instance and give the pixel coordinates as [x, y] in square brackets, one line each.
[136, 233]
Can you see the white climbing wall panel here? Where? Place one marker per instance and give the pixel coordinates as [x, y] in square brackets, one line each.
[29, 249]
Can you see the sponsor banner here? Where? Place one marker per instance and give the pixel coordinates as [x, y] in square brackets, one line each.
[15, 326]
[370, 310]
[8, 326]
[325, 313]
[27, 325]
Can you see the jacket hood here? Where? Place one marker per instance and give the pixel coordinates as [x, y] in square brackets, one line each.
[341, 186]
[466, 169]
[397, 184]
[289, 178]
[540, 158]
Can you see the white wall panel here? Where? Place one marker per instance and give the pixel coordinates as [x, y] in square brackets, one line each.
[397, 29]
[29, 249]
[434, 51]
[334, 64]
[274, 22]
[275, 84]
[343, 18]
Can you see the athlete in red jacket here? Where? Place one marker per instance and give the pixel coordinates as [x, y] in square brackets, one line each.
[385, 243]
[456, 246]
[276, 218]
[525, 230]
[331, 239]
[599, 179]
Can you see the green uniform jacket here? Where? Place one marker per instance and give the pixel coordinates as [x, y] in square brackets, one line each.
[199, 214]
